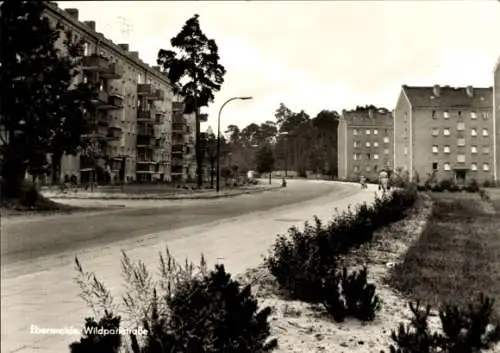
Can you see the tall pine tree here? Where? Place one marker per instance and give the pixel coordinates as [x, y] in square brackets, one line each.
[43, 110]
[194, 70]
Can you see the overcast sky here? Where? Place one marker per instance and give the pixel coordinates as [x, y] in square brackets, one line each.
[317, 55]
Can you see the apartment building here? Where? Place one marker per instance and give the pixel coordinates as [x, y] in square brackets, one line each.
[184, 143]
[132, 115]
[365, 143]
[446, 132]
[496, 119]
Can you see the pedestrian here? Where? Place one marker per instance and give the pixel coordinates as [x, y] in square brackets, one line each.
[383, 181]
[283, 183]
[362, 181]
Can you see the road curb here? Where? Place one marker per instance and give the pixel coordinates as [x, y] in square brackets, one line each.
[166, 197]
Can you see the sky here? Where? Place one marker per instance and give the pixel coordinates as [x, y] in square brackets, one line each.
[315, 55]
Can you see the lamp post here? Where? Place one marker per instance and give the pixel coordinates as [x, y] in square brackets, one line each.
[218, 136]
[285, 133]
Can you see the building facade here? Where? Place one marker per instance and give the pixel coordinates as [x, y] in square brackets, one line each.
[365, 143]
[496, 119]
[132, 115]
[445, 132]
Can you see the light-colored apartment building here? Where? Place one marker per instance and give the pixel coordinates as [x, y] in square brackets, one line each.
[445, 131]
[132, 115]
[365, 143]
[496, 119]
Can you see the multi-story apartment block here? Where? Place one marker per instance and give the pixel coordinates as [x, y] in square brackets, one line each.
[445, 132]
[365, 143]
[184, 143]
[132, 112]
[496, 119]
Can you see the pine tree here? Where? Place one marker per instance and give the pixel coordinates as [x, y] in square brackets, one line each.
[195, 62]
[42, 111]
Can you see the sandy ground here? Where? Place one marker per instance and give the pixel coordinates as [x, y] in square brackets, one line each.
[301, 328]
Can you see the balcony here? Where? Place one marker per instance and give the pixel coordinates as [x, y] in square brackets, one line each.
[145, 159]
[145, 131]
[178, 149]
[116, 100]
[177, 162]
[179, 128]
[114, 72]
[100, 99]
[95, 63]
[146, 142]
[145, 168]
[144, 115]
[114, 133]
[177, 170]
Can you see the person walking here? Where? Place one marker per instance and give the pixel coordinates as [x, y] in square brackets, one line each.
[362, 181]
[383, 181]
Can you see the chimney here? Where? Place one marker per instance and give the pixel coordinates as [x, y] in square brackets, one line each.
[73, 13]
[436, 90]
[134, 54]
[470, 91]
[90, 24]
[123, 47]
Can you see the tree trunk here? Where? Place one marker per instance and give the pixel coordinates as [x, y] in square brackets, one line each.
[212, 174]
[270, 174]
[56, 168]
[13, 173]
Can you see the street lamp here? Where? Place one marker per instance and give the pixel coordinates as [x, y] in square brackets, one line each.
[285, 133]
[218, 136]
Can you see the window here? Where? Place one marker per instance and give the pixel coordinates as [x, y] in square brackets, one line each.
[473, 115]
[473, 149]
[375, 156]
[406, 116]
[375, 131]
[367, 144]
[461, 141]
[386, 140]
[368, 168]
[446, 132]
[355, 156]
[459, 114]
[447, 166]
[473, 167]
[435, 132]
[355, 131]
[435, 149]
[446, 149]
[434, 114]
[375, 144]
[139, 78]
[485, 116]
[368, 131]
[461, 158]
[406, 150]
[486, 149]
[473, 132]
[485, 132]
[434, 165]
[461, 126]
[356, 143]
[375, 168]
[446, 114]
[405, 134]
[356, 168]
[386, 151]
[486, 167]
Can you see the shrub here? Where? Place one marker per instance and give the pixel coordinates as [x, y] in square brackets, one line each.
[195, 311]
[464, 330]
[211, 315]
[448, 185]
[360, 299]
[95, 341]
[473, 186]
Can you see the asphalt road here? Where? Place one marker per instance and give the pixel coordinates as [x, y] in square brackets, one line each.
[29, 239]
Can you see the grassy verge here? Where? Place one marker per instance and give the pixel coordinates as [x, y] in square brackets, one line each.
[457, 255]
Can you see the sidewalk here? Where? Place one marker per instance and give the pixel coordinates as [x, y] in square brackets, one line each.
[198, 194]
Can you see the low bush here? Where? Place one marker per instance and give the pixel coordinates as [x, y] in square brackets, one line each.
[96, 339]
[464, 330]
[351, 295]
[187, 310]
[304, 263]
[472, 186]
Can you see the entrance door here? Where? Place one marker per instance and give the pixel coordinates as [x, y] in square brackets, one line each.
[460, 177]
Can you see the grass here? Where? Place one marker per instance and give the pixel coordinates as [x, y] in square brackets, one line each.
[458, 254]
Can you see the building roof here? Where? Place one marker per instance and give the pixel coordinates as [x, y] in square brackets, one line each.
[369, 117]
[449, 97]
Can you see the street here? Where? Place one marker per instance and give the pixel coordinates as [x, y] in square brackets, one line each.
[37, 256]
